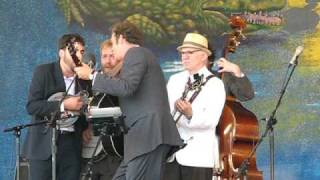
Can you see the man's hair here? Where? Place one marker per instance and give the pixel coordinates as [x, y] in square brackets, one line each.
[129, 31]
[105, 44]
[65, 39]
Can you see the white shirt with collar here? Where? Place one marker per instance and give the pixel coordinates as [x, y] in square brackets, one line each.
[202, 149]
[70, 87]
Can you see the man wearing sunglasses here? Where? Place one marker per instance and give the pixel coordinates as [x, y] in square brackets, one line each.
[196, 99]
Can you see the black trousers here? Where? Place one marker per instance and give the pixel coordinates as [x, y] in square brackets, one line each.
[68, 161]
[149, 166]
[175, 171]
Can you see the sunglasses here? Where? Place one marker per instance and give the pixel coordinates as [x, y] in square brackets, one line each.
[188, 52]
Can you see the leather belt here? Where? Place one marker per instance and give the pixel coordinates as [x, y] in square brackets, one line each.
[65, 132]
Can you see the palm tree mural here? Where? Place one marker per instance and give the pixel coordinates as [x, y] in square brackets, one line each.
[163, 21]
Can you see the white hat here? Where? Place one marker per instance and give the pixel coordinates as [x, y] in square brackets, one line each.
[194, 40]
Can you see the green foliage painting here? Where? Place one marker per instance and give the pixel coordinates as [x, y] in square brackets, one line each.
[163, 21]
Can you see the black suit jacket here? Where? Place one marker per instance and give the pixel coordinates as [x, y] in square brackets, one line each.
[143, 98]
[240, 88]
[47, 79]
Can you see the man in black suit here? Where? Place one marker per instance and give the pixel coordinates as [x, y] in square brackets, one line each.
[236, 83]
[47, 80]
[143, 98]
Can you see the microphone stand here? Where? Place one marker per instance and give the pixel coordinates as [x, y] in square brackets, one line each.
[103, 132]
[88, 172]
[53, 142]
[17, 132]
[53, 122]
[271, 121]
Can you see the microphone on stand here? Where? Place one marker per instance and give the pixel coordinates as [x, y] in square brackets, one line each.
[90, 60]
[294, 59]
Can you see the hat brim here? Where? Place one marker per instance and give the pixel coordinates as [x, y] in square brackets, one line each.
[179, 48]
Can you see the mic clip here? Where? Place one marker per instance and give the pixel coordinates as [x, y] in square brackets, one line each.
[272, 121]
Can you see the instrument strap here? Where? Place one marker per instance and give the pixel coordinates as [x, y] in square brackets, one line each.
[197, 86]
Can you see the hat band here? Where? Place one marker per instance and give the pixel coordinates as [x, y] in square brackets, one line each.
[195, 44]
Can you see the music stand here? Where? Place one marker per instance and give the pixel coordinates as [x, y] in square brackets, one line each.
[102, 113]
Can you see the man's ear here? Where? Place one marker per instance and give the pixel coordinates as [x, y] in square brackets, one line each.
[121, 39]
[204, 57]
[61, 53]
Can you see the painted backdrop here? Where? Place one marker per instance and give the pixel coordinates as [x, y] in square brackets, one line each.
[29, 30]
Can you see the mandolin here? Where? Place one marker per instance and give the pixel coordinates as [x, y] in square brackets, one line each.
[73, 52]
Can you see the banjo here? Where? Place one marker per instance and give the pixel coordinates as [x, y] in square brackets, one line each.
[68, 118]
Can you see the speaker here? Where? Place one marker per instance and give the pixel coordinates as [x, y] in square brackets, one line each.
[24, 170]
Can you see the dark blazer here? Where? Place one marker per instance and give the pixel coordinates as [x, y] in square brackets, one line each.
[47, 79]
[143, 99]
[240, 88]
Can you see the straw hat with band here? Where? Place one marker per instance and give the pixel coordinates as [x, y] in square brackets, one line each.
[194, 40]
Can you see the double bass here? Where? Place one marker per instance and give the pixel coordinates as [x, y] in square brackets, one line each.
[238, 129]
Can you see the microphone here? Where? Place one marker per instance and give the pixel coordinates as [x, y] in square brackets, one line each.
[295, 56]
[90, 60]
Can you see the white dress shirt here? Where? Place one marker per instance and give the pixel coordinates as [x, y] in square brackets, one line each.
[202, 149]
[70, 83]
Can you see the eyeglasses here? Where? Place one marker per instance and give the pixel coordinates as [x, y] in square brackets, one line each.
[188, 52]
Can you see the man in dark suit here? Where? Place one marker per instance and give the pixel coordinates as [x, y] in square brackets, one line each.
[143, 98]
[236, 83]
[47, 80]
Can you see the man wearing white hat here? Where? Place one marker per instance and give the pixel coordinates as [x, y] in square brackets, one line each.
[196, 100]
